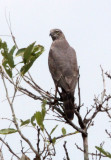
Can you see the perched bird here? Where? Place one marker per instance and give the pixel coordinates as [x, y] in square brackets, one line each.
[64, 69]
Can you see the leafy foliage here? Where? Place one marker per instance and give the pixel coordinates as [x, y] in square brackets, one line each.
[39, 116]
[29, 55]
[107, 154]
[7, 62]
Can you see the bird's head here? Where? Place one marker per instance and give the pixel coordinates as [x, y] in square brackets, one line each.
[56, 34]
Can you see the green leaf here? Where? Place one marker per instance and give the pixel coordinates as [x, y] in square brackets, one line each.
[107, 154]
[7, 131]
[39, 119]
[32, 120]
[54, 140]
[43, 108]
[25, 68]
[29, 58]
[53, 129]
[76, 132]
[7, 68]
[25, 122]
[28, 52]
[7, 62]
[12, 50]
[63, 131]
[37, 49]
[20, 52]
[6, 55]
[39, 116]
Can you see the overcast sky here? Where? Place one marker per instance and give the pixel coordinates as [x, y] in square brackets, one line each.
[87, 27]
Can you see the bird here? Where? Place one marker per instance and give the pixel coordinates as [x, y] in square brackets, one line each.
[63, 67]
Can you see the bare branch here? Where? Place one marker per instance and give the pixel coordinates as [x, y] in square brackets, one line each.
[14, 119]
[38, 141]
[6, 135]
[98, 105]
[6, 144]
[109, 134]
[66, 152]
[9, 26]
[76, 127]
[1, 155]
[104, 86]
[92, 154]
[108, 75]
[69, 134]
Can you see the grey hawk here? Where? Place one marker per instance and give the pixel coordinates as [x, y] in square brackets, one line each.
[64, 69]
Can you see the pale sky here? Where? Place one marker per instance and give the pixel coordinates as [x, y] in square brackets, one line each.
[87, 27]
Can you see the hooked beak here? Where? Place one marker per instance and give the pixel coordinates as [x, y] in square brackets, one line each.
[50, 34]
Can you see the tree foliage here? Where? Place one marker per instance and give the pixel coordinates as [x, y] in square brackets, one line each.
[13, 74]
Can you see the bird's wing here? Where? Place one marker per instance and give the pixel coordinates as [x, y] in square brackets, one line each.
[63, 65]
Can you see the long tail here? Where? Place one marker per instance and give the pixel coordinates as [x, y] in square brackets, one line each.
[68, 102]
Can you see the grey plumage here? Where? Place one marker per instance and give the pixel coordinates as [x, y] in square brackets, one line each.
[64, 69]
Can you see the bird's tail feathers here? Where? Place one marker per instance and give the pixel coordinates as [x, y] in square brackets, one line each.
[68, 102]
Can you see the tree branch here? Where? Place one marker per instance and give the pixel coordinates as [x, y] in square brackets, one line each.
[6, 144]
[14, 118]
[66, 152]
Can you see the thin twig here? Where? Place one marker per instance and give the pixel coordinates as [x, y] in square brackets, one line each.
[104, 86]
[15, 96]
[38, 141]
[9, 26]
[14, 119]
[92, 154]
[5, 137]
[6, 144]
[108, 75]
[69, 134]
[66, 152]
